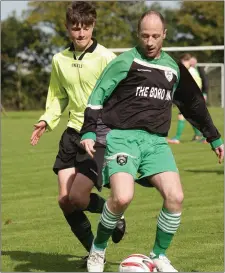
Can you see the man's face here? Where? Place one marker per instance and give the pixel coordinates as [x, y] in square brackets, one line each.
[193, 61]
[151, 35]
[80, 35]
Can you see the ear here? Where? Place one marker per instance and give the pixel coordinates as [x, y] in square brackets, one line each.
[164, 34]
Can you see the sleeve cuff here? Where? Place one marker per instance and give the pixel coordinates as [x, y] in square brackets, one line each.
[216, 143]
[47, 120]
[89, 135]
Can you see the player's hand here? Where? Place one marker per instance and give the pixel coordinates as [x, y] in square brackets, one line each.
[39, 130]
[220, 152]
[88, 145]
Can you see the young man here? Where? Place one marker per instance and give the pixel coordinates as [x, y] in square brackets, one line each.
[75, 71]
[134, 95]
[198, 74]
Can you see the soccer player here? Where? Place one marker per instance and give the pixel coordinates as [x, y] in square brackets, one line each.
[198, 74]
[185, 60]
[134, 96]
[75, 71]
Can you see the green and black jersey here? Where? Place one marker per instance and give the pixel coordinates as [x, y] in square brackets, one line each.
[73, 77]
[135, 92]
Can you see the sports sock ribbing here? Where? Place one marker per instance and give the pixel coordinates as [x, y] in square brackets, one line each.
[167, 226]
[106, 226]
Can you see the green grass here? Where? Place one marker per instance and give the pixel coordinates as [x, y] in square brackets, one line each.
[35, 236]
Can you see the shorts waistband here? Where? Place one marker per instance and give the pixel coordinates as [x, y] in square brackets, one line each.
[72, 131]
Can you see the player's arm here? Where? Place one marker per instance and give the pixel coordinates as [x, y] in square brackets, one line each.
[114, 72]
[56, 103]
[190, 101]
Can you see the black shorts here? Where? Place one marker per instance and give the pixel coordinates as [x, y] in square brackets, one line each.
[71, 154]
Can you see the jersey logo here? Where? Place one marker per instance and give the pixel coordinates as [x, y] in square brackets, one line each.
[121, 160]
[77, 65]
[169, 75]
[145, 70]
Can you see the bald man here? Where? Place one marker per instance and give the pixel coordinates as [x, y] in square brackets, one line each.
[134, 96]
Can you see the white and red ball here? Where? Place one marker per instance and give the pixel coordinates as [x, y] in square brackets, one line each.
[137, 263]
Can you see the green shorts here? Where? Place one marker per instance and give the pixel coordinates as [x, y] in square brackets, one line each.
[136, 152]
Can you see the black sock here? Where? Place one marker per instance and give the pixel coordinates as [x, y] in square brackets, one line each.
[81, 227]
[96, 203]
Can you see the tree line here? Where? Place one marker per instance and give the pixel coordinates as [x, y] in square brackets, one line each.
[28, 43]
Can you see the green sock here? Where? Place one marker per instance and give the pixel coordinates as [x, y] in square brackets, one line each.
[167, 225]
[180, 129]
[106, 226]
[196, 131]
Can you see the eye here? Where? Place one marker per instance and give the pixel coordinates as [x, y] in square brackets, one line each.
[76, 29]
[155, 36]
[145, 36]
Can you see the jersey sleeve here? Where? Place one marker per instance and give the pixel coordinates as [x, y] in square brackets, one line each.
[205, 81]
[190, 101]
[112, 75]
[57, 99]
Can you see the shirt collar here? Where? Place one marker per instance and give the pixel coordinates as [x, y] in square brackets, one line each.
[90, 49]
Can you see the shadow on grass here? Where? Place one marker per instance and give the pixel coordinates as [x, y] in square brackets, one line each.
[205, 171]
[47, 262]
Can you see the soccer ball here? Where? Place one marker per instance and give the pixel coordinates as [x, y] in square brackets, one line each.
[137, 263]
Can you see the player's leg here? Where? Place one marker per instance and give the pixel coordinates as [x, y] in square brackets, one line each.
[65, 168]
[91, 169]
[159, 165]
[122, 190]
[120, 170]
[120, 228]
[77, 220]
[81, 197]
[169, 186]
[180, 129]
[90, 175]
[197, 134]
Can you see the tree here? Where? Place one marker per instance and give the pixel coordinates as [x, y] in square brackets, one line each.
[201, 23]
[23, 51]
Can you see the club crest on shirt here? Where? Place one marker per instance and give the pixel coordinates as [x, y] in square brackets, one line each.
[121, 159]
[169, 75]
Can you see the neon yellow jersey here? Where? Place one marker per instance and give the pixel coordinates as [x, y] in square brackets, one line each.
[73, 78]
[196, 76]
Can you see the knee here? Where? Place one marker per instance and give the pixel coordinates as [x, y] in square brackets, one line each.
[121, 202]
[176, 197]
[64, 203]
[79, 201]
[179, 198]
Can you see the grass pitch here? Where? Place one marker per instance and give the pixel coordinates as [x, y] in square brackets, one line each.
[35, 236]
